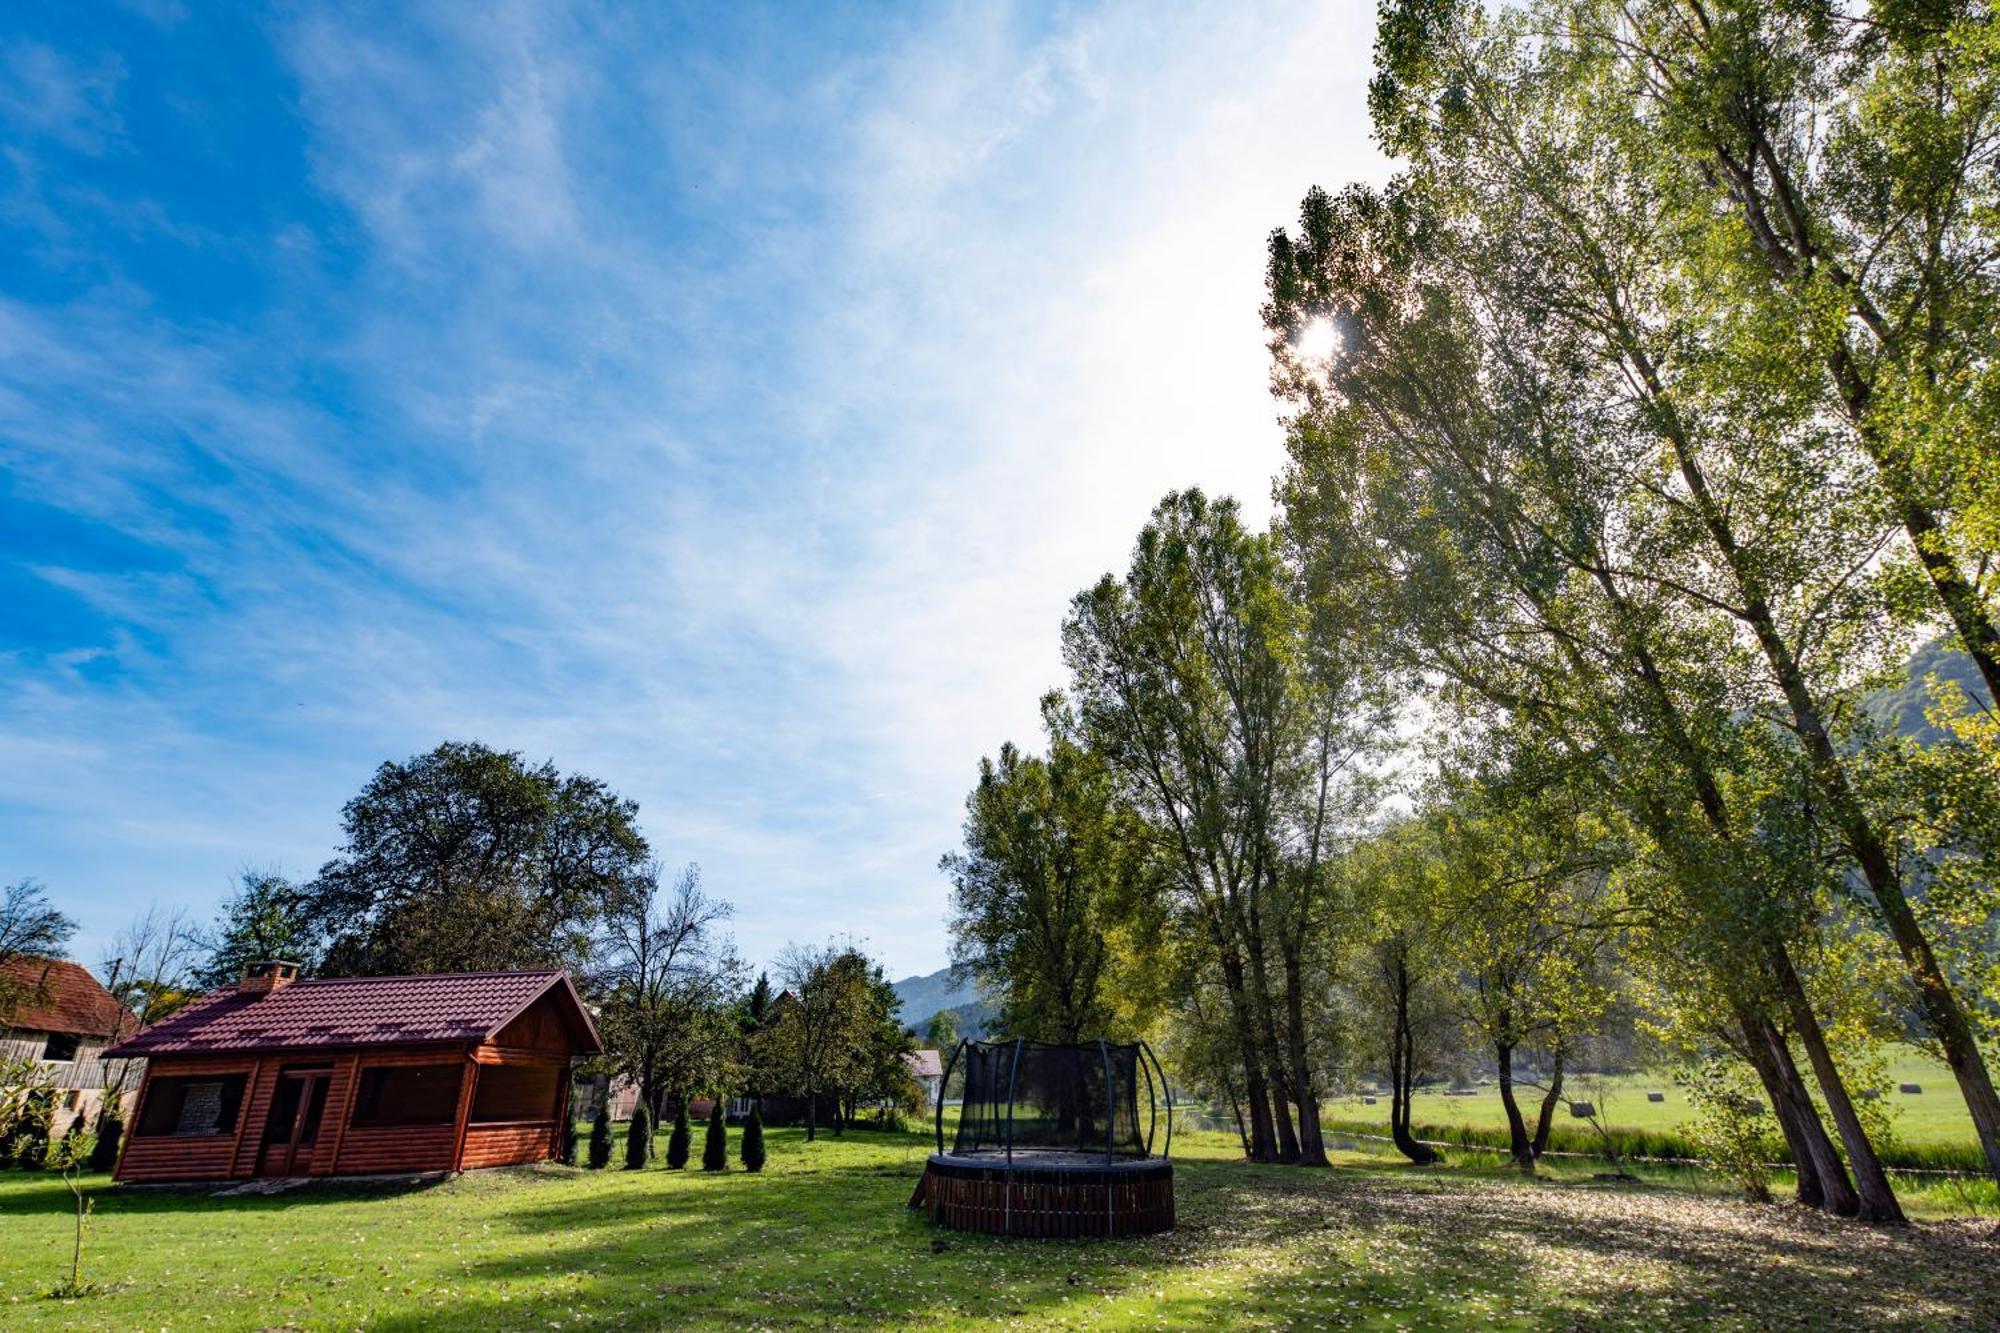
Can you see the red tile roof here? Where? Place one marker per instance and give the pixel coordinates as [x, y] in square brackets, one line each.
[443, 1007]
[59, 996]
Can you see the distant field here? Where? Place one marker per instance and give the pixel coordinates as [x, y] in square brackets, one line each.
[1937, 1116]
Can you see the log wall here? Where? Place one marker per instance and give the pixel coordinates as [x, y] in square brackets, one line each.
[507, 1144]
[342, 1148]
[172, 1157]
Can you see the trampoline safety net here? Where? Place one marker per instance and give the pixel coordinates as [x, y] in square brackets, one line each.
[1031, 1097]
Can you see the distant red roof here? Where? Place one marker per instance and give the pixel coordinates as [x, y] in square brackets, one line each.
[443, 1007]
[60, 996]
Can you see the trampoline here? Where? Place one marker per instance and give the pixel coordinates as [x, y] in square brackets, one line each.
[1052, 1141]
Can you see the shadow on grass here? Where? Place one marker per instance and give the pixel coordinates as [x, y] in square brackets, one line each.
[823, 1237]
[1333, 1248]
[127, 1200]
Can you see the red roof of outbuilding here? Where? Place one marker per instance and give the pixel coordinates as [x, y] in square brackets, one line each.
[59, 996]
[441, 1007]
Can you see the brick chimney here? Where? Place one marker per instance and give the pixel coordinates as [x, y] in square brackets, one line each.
[266, 975]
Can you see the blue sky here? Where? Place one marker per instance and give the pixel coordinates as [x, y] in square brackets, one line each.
[724, 403]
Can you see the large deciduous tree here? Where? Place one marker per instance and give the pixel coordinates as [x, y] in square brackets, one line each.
[1235, 733]
[30, 927]
[1054, 865]
[263, 919]
[1577, 157]
[1477, 479]
[667, 982]
[468, 859]
[1520, 901]
[833, 1033]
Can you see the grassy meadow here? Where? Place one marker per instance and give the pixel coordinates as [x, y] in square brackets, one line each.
[822, 1238]
[1937, 1115]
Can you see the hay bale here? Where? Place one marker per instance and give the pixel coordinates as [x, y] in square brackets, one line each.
[1912, 1088]
[1582, 1110]
[1656, 1096]
[1367, 1101]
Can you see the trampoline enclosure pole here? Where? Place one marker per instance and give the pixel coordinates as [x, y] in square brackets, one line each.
[1007, 1195]
[1167, 1091]
[1152, 1103]
[1012, 1070]
[956, 1051]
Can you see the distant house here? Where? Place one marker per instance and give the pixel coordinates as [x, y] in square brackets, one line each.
[63, 1016]
[620, 1095]
[928, 1070]
[357, 1075]
[588, 1092]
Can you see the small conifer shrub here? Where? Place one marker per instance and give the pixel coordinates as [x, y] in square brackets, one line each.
[638, 1140]
[678, 1143]
[600, 1139]
[715, 1148]
[753, 1141]
[566, 1151]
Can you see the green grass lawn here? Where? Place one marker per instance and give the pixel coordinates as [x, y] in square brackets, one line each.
[822, 1237]
[1936, 1116]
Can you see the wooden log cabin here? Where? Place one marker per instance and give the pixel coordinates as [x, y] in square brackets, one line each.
[356, 1076]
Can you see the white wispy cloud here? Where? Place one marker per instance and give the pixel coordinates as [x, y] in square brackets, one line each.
[749, 466]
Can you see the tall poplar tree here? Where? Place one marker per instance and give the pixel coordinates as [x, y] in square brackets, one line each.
[1055, 863]
[1749, 505]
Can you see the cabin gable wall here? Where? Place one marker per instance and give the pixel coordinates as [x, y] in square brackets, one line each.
[546, 1026]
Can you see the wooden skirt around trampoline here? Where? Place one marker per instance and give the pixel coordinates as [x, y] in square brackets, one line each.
[1048, 1194]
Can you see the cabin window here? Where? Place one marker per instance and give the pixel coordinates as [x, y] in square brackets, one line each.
[515, 1092]
[193, 1106]
[60, 1046]
[407, 1095]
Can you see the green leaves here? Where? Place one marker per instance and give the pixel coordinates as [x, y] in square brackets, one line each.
[1057, 867]
[466, 859]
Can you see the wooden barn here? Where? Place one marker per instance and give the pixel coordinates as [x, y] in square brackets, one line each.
[356, 1076]
[54, 1012]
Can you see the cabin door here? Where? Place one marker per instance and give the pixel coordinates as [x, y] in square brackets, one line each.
[292, 1128]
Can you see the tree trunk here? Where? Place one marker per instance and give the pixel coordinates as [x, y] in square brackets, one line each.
[812, 1115]
[1958, 596]
[1942, 1011]
[1943, 1014]
[1946, 1019]
[1871, 1182]
[1236, 1110]
[1799, 1128]
[1267, 1033]
[1305, 1093]
[1545, 1121]
[1518, 1144]
[1402, 1071]
[1263, 1142]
